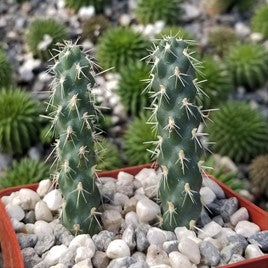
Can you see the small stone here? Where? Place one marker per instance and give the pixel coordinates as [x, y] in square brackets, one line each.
[139, 256]
[42, 212]
[108, 190]
[170, 246]
[260, 239]
[68, 258]
[83, 264]
[30, 257]
[242, 29]
[59, 265]
[103, 239]
[155, 255]
[43, 187]
[17, 225]
[210, 230]
[238, 239]
[124, 178]
[216, 207]
[15, 212]
[83, 240]
[228, 251]
[28, 198]
[29, 227]
[62, 235]
[236, 258]
[204, 218]
[253, 251]
[247, 228]
[170, 236]
[141, 237]
[54, 254]
[140, 264]
[26, 240]
[190, 249]
[156, 236]
[117, 249]
[191, 12]
[100, 260]
[131, 218]
[207, 195]
[229, 207]
[44, 243]
[86, 12]
[240, 215]
[121, 262]
[53, 199]
[209, 253]
[42, 228]
[218, 219]
[29, 217]
[129, 237]
[214, 187]
[111, 220]
[120, 199]
[178, 260]
[130, 205]
[83, 253]
[182, 232]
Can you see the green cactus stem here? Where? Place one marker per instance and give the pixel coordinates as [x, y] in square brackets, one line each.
[73, 117]
[178, 148]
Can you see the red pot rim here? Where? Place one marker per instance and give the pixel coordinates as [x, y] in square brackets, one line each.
[12, 254]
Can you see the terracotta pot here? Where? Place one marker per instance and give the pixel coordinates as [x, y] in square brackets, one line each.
[11, 251]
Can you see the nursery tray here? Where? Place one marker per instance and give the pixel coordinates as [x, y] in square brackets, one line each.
[12, 257]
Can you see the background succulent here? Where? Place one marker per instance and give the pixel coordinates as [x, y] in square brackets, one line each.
[217, 84]
[174, 30]
[77, 4]
[221, 38]
[19, 120]
[5, 70]
[120, 47]
[239, 131]
[46, 135]
[258, 173]
[43, 35]
[259, 21]
[94, 27]
[108, 156]
[150, 11]
[131, 86]
[136, 141]
[248, 64]
[244, 5]
[25, 171]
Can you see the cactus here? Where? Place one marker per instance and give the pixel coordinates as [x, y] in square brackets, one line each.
[178, 147]
[5, 71]
[94, 27]
[19, 120]
[175, 30]
[119, 47]
[47, 31]
[150, 11]
[239, 131]
[248, 64]
[258, 173]
[131, 86]
[137, 140]
[259, 21]
[24, 172]
[74, 115]
[77, 4]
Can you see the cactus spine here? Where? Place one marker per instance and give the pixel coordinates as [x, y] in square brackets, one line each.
[73, 118]
[177, 119]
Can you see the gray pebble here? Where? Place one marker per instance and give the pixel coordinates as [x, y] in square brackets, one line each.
[216, 206]
[62, 235]
[141, 237]
[29, 217]
[68, 258]
[100, 260]
[26, 240]
[129, 237]
[209, 253]
[261, 239]
[30, 257]
[170, 246]
[228, 251]
[139, 264]
[204, 218]
[238, 239]
[229, 207]
[219, 220]
[236, 258]
[102, 240]
[121, 262]
[44, 243]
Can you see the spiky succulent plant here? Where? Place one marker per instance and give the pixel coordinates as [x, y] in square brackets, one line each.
[5, 70]
[215, 7]
[74, 114]
[109, 156]
[248, 65]
[178, 147]
[137, 140]
[216, 84]
[24, 172]
[239, 131]
[19, 120]
[150, 11]
[258, 173]
[46, 135]
[77, 4]
[131, 87]
[259, 21]
[119, 47]
[221, 38]
[43, 35]
[94, 27]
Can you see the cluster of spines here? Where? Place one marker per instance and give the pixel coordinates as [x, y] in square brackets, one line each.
[174, 88]
[73, 118]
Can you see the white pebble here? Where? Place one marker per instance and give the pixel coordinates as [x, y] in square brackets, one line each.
[54, 254]
[29, 227]
[17, 225]
[83, 264]
[117, 249]
[124, 178]
[131, 218]
[15, 212]
[247, 228]
[209, 230]
[156, 256]
[147, 210]
[83, 253]
[178, 260]
[43, 187]
[111, 220]
[183, 232]
[190, 249]
[156, 236]
[86, 12]
[28, 198]
[207, 195]
[42, 212]
[83, 240]
[42, 228]
[240, 215]
[5, 199]
[53, 199]
[253, 251]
